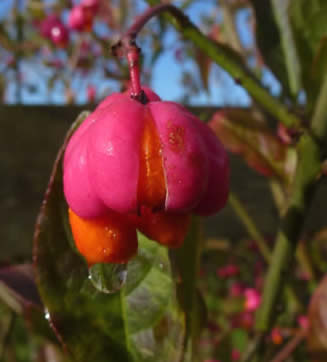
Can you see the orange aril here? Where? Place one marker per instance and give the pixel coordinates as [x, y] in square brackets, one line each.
[107, 239]
[151, 183]
[165, 228]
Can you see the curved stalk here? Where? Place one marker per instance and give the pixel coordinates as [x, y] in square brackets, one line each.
[224, 56]
[251, 227]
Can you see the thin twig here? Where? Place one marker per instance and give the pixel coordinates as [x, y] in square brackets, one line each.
[252, 348]
[250, 225]
[290, 346]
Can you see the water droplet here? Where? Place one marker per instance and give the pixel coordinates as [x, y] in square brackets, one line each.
[108, 278]
[47, 314]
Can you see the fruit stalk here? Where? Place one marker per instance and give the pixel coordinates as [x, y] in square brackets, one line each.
[134, 72]
[127, 47]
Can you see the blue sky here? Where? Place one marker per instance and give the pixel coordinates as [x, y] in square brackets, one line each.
[167, 71]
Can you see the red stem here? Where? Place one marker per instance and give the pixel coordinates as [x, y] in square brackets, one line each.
[142, 19]
[126, 46]
[134, 71]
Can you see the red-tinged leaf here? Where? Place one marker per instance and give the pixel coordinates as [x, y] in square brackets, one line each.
[187, 264]
[18, 288]
[310, 33]
[204, 65]
[243, 133]
[203, 61]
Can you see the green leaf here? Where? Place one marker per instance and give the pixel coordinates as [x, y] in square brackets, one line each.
[239, 339]
[140, 322]
[288, 44]
[270, 41]
[156, 326]
[188, 264]
[308, 19]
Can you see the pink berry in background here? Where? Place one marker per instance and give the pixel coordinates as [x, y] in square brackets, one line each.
[59, 35]
[47, 24]
[284, 134]
[243, 320]
[80, 18]
[252, 299]
[91, 93]
[236, 290]
[92, 5]
[236, 355]
[126, 155]
[10, 61]
[276, 336]
[303, 321]
[228, 271]
[53, 29]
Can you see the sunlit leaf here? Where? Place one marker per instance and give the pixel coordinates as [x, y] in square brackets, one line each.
[269, 41]
[203, 61]
[187, 264]
[242, 133]
[308, 19]
[280, 8]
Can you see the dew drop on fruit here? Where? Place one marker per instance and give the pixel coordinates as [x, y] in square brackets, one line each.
[108, 278]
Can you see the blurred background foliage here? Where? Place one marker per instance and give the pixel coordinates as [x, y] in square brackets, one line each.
[36, 69]
[283, 42]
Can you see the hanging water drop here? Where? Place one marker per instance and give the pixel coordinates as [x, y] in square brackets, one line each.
[47, 314]
[108, 278]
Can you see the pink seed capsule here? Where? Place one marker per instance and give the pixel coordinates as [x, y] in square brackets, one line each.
[80, 18]
[53, 29]
[92, 5]
[127, 155]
